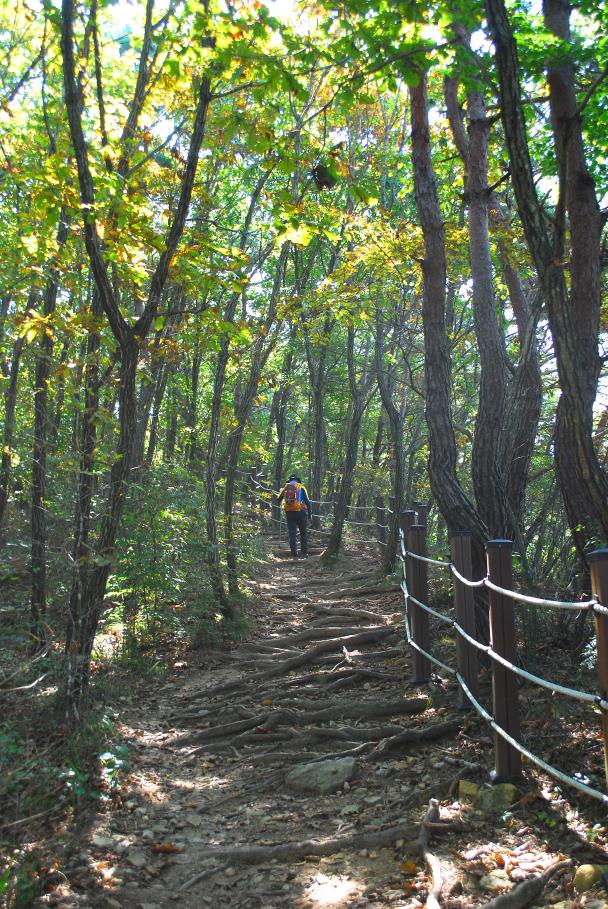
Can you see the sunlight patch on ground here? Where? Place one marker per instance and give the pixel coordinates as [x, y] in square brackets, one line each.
[331, 892]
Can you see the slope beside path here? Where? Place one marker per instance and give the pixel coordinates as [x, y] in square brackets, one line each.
[296, 771]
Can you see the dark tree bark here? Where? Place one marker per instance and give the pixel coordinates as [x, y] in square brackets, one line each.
[454, 505]
[573, 313]
[487, 464]
[524, 401]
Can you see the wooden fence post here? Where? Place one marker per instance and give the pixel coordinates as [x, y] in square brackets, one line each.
[598, 562]
[417, 583]
[380, 520]
[407, 517]
[422, 510]
[504, 682]
[464, 604]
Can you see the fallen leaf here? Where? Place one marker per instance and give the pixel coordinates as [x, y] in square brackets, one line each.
[164, 848]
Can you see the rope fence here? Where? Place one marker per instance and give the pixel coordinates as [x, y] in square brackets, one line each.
[502, 650]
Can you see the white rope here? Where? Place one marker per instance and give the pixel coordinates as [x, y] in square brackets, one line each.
[573, 693]
[552, 771]
[548, 768]
[424, 653]
[466, 581]
[422, 558]
[539, 601]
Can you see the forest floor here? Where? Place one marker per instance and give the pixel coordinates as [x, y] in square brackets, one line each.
[209, 816]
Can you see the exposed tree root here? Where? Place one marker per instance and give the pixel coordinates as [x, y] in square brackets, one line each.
[372, 839]
[528, 890]
[315, 632]
[328, 613]
[288, 716]
[311, 655]
[365, 592]
[432, 863]
[423, 734]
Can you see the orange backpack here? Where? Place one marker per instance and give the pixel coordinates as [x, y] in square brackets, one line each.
[292, 497]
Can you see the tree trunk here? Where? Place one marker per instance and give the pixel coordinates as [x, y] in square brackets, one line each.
[457, 510]
[573, 317]
[159, 394]
[359, 400]
[10, 402]
[93, 568]
[488, 480]
[396, 424]
[39, 451]
[524, 401]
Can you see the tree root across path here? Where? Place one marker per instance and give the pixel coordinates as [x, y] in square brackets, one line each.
[372, 839]
[270, 719]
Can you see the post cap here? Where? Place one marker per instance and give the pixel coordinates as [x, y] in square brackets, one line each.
[597, 555]
[496, 544]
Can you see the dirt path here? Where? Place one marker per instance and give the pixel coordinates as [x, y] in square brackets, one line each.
[211, 818]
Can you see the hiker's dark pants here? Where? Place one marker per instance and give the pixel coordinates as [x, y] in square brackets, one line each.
[297, 520]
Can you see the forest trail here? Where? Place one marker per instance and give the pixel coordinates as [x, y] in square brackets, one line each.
[208, 816]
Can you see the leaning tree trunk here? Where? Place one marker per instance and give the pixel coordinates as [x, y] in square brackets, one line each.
[454, 505]
[280, 419]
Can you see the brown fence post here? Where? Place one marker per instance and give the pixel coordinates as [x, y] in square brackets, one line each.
[417, 582]
[504, 682]
[422, 510]
[464, 604]
[380, 520]
[598, 562]
[406, 518]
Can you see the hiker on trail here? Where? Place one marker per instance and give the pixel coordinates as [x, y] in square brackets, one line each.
[298, 512]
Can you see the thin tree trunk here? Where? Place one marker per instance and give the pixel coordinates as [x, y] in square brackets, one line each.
[39, 452]
[396, 424]
[359, 400]
[10, 402]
